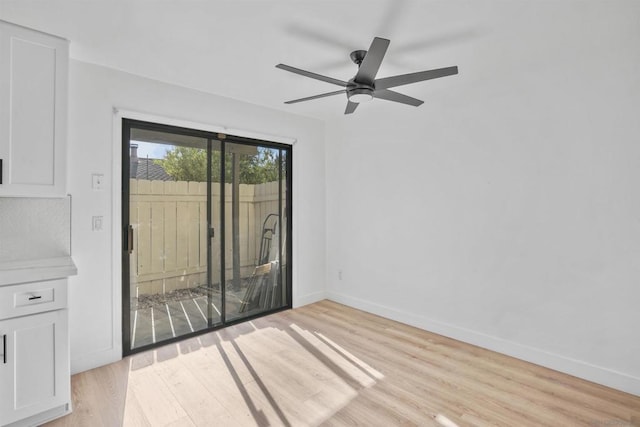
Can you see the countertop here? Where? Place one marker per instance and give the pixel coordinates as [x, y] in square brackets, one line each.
[14, 272]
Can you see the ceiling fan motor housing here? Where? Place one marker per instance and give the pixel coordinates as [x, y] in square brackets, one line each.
[359, 92]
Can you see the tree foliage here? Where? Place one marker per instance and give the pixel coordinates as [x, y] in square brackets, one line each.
[185, 164]
[190, 164]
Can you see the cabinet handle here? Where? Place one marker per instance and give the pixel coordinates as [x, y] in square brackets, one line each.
[0, 171]
[35, 297]
[4, 348]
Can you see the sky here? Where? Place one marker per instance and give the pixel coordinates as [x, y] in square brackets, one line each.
[153, 150]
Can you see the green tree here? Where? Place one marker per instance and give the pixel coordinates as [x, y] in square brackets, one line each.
[190, 164]
[185, 164]
[262, 167]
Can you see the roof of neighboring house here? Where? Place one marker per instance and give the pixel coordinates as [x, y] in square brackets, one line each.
[149, 169]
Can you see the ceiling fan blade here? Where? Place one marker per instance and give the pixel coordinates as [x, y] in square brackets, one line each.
[312, 75]
[390, 95]
[405, 79]
[351, 107]
[309, 98]
[372, 60]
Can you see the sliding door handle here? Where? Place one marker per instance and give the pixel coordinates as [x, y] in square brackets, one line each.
[129, 239]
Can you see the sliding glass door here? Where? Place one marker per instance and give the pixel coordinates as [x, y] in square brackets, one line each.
[205, 231]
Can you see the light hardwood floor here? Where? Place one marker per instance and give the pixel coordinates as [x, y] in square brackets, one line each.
[328, 364]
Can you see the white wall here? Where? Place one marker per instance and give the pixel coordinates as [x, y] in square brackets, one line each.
[94, 92]
[505, 211]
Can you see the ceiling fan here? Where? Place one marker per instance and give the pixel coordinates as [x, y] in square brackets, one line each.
[364, 86]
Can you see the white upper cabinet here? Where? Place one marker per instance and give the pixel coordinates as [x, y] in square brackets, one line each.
[33, 112]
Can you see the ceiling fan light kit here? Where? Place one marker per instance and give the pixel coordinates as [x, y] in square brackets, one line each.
[364, 86]
[359, 95]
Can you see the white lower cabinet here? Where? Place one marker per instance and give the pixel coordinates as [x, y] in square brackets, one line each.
[34, 364]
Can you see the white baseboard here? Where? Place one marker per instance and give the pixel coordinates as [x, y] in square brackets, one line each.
[577, 368]
[95, 360]
[299, 301]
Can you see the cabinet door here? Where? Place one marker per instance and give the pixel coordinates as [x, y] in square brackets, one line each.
[33, 104]
[34, 371]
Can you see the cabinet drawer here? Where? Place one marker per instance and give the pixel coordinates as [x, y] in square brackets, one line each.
[30, 298]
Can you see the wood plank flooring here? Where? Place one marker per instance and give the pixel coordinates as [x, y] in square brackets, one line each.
[328, 364]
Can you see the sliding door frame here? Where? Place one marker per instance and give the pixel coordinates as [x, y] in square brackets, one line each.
[287, 251]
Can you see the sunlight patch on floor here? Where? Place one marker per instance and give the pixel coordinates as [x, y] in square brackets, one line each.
[343, 363]
[368, 369]
[444, 421]
[245, 375]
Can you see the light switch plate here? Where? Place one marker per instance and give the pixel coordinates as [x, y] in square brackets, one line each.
[96, 223]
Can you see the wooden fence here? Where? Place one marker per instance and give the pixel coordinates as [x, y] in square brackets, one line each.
[169, 219]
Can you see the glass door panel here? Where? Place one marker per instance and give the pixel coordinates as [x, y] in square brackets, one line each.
[171, 291]
[253, 241]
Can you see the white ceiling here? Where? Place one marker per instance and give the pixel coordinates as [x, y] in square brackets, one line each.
[230, 48]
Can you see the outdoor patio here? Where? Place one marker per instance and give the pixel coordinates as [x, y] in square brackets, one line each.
[158, 317]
